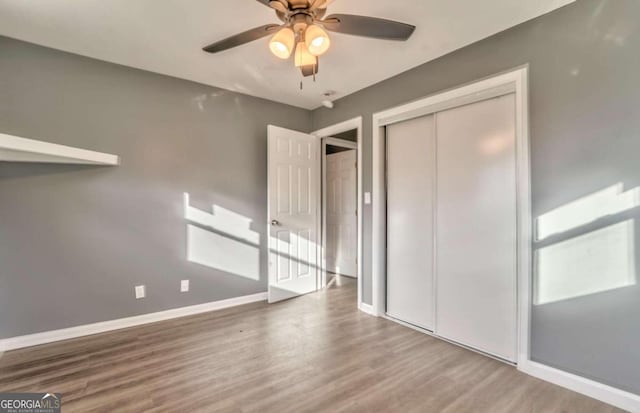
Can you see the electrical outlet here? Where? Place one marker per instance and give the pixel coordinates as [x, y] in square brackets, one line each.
[184, 286]
[141, 291]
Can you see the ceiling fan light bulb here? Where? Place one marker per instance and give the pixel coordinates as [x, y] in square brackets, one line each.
[317, 40]
[281, 44]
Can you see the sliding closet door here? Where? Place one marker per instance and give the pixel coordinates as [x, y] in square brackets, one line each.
[410, 185]
[476, 226]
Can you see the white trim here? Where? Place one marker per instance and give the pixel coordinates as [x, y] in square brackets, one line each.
[378, 218]
[474, 92]
[523, 213]
[366, 308]
[616, 397]
[16, 149]
[514, 81]
[343, 143]
[355, 123]
[323, 213]
[104, 326]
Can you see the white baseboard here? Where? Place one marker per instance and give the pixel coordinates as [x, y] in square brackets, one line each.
[366, 308]
[104, 326]
[616, 397]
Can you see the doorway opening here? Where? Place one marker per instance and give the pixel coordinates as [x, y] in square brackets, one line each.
[341, 208]
[294, 209]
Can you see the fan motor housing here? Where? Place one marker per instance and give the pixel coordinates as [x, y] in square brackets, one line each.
[300, 21]
[299, 4]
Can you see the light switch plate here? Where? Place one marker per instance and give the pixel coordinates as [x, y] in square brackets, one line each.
[184, 286]
[141, 291]
[367, 198]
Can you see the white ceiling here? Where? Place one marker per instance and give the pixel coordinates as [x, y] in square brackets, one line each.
[166, 36]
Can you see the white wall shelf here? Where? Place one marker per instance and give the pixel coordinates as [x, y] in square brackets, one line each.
[16, 149]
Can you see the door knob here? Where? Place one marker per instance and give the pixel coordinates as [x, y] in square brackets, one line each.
[274, 222]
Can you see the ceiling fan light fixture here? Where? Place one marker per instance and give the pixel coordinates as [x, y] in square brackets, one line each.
[304, 30]
[317, 40]
[303, 57]
[282, 43]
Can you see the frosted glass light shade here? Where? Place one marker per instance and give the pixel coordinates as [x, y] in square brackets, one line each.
[317, 40]
[281, 44]
[303, 57]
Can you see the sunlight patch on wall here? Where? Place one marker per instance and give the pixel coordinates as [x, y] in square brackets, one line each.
[222, 253]
[609, 201]
[222, 220]
[598, 261]
[229, 245]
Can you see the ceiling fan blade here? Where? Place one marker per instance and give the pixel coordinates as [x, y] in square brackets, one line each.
[323, 4]
[242, 38]
[280, 5]
[317, 4]
[368, 27]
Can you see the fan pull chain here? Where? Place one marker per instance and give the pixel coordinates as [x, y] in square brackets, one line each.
[314, 73]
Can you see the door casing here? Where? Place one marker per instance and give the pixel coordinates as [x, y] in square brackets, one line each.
[351, 124]
[330, 141]
[510, 82]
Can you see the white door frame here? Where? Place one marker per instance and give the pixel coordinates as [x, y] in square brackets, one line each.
[355, 123]
[512, 82]
[515, 81]
[342, 143]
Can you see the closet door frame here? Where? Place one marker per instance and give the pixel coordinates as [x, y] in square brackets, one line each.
[515, 81]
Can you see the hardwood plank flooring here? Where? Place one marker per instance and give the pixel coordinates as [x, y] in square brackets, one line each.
[316, 353]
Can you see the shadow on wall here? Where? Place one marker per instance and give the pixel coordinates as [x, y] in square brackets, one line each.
[222, 240]
[12, 170]
[588, 263]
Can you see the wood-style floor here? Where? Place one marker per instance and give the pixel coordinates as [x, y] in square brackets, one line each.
[316, 353]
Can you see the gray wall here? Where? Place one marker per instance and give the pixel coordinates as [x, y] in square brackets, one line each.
[74, 240]
[585, 125]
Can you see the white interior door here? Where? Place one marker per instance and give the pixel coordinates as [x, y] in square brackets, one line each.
[476, 226]
[294, 198]
[410, 200]
[342, 241]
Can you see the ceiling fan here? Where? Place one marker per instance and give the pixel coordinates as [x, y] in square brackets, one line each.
[303, 30]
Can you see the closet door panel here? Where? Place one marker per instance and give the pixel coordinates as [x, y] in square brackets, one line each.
[410, 187]
[476, 226]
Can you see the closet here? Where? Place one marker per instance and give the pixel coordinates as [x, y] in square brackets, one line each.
[451, 224]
